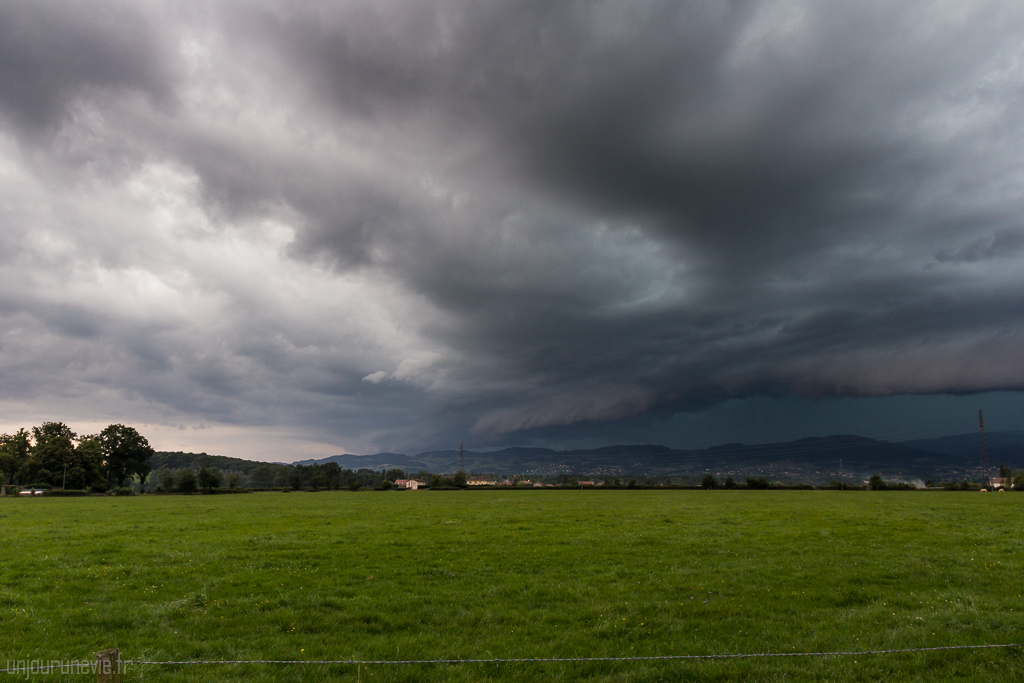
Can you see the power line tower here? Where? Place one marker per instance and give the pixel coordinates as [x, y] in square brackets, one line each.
[462, 458]
[984, 446]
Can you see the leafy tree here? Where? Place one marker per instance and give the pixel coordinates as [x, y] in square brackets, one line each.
[186, 479]
[332, 475]
[262, 477]
[632, 484]
[14, 452]
[394, 475]
[875, 483]
[385, 485]
[730, 483]
[757, 483]
[1018, 480]
[143, 472]
[234, 480]
[709, 481]
[459, 479]
[209, 478]
[54, 453]
[166, 480]
[87, 469]
[283, 476]
[1005, 471]
[354, 484]
[124, 452]
[296, 476]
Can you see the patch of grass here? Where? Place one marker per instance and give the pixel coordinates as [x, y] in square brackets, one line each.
[467, 574]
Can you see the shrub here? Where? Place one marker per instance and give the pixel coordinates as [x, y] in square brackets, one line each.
[758, 483]
[355, 485]
[66, 493]
[124, 491]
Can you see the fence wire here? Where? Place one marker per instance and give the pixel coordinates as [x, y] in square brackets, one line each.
[45, 666]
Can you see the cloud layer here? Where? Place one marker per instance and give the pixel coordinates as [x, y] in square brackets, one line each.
[401, 225]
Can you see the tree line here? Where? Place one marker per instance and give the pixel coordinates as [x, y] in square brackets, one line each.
[53, 455]
[327, 476]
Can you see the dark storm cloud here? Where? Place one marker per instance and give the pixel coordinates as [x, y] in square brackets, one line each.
[51, 52]
[402, 221]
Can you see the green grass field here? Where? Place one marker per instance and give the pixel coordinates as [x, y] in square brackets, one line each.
[481, 574]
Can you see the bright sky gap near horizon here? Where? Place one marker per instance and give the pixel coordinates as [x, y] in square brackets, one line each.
[279, 230]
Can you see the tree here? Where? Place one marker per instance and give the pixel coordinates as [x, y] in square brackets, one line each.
[1018, 480]
[54, 453]
[332, 475]
[14, 452]
[186, 479]
[709, 481]
[234, 480]
[459, 479]
[730, 483]
[125, 452]
[875, 483]
[143, 471]
[1005, 471]
[263, 476]
[354, 484]
[209, 478]
[394, 475]
[632, 484]
[166, 480]
[758, 483]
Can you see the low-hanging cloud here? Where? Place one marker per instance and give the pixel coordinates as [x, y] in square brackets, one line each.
[387, 225]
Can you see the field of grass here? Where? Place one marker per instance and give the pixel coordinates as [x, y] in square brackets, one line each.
[482, 574]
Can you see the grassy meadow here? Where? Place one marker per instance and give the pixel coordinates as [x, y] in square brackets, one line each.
[480, 574]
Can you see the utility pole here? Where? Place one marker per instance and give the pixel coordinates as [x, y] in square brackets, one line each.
[462, 458]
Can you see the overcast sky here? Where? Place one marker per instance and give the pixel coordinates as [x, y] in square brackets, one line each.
[289, 229]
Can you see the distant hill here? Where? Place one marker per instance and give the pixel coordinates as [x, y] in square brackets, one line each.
[1003, 447]
[814, 459]
[811, 460]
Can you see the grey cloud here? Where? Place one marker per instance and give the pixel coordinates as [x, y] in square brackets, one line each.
[1003, 244]
[52, 52]
[578, 213]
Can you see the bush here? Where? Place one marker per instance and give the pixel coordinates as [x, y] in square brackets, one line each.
[355, 485]
[709, 481]
[758, 483]
[125, 491]
[59, 493]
